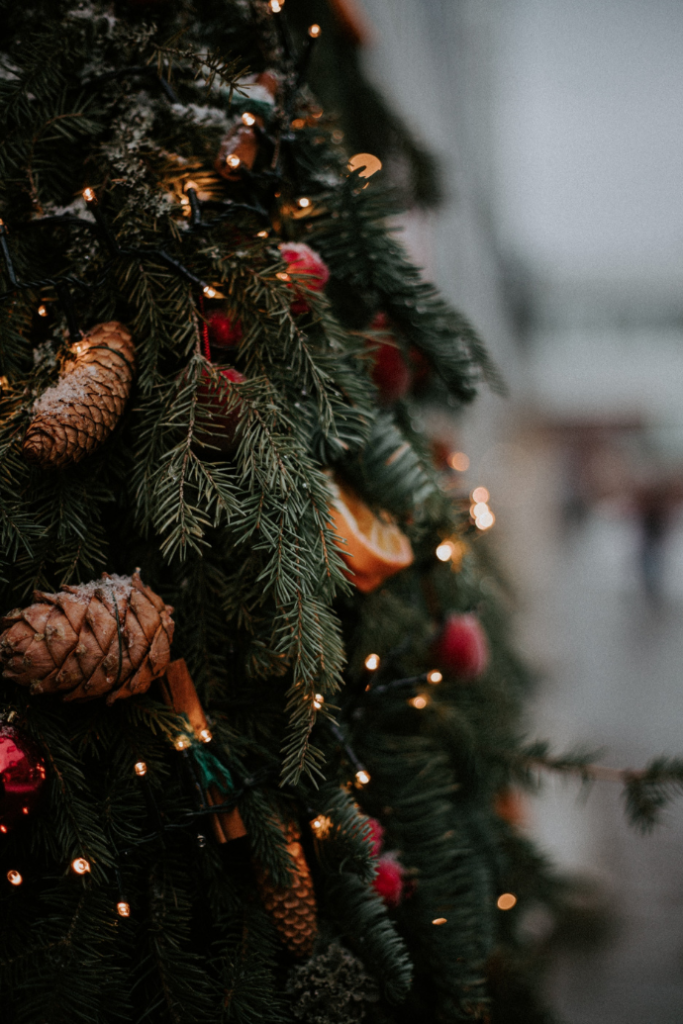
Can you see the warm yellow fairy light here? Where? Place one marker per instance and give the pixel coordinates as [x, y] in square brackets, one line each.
[3, 829]
[480, 494]
[261, 234]
[191, 184]
[25, 810]
[275, 6]
[181, 743]
[362, 777]
[140, 768]
[365, 163]
[485, 521]
[4, 382]
[298, 122]
[206, 735]
[372, 662]
[506, 901]
[14, 878]
[434, 676]
[209, 291]
[419, 702]
[89, 195]
[233, 161]
[80, 865]
[444, 551]
[480, 509]
[318, 701]
[304, 202]
[42, 310]
[314, 31]
[248, 119]
[459, 461]
[440, 920]
[321, 826]
[123, 908]
[282, 276]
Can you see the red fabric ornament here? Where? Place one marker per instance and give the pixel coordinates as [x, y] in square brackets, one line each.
[224, 332]
[390, 372]
[389, 881]
[301, 259]
[214, 397]
[376, 837]
[462, 647]
[22, 774]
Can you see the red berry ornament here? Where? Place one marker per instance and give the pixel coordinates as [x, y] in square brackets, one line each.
[389, 880]
[301, 259]
[224, 332]
[213, 397]
[22, 774]
[376, 836]
[462, 647]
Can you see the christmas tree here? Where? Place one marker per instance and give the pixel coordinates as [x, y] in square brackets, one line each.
[260, 718]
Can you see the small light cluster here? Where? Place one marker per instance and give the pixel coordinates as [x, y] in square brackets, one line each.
[362, 777]
[419, 702]
[459, 462]
[314, 31]
[248, 119]
[318, 701]
[321, 826]
[14, 877]
[372, 662]
[182, 743]
[479, 509]
[451, 550]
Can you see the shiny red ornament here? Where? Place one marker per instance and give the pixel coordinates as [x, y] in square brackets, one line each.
[389, 880]
[301, 259]
[22, 774]
[462, 647]
[376, 837]
[223, 331]
[214, 397]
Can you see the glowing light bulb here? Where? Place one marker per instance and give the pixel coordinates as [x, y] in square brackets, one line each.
[321, 826]
[42, 310]
[248, 119]
[206, 735]
[191, 184]
[233, 161]
[181, 743]
[140, 768]
[80, 866]
[444, 551]
[3, 829]
[372, 662]
[480, 509]
[298, 122]
[123, 908]
[14, 878]
[440, 920]
[434, 676]
[459, 461]
[418, 702]
[282, 276]
[304, 202]
[25, 810]
[4, 382]
[366, 164]
[89, 195]
[261, 234]
[209, 291]
[485, 521]
[275, 6]
[506, 901]
[362, 777]
[318, 701]
[314, 31]
[480, 494]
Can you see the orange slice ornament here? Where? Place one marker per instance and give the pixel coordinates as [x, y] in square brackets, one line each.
[375, 548]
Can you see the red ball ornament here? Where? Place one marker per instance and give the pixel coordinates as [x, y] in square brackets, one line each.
[376, 837]
[389, 880]
[390, 372]
[301, 259]
[22, 774]
[462, 647]
[213, 397]
[224, 332]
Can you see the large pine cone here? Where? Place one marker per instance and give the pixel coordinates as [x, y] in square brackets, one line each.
[294, 909]
[109, 636]
[72, 418]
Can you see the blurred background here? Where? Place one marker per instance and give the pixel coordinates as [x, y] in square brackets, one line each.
[559, 132]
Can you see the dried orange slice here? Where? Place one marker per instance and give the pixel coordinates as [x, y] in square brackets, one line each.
[375, 547]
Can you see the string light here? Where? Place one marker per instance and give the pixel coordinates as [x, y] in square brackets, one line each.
[362, 777]
[440, 920]
[298, 122]
[4, 382]
[248, 119]
[314, 31]
[444, 551]
[80, 866]
[480, 509]
[181, 743]
[140, 768]
[480, 494]
[366, 164]
[191, 185]
[261, 234]
[506, 901]
[25, 810]
[89, 195]
[485, 521]
[318, 701]
[282, 276]
[372, 662]
[276, 6]
[209, 291]
[419, 702]
[206, 735]
[14, 878]
[459, 461]
[42, 310]
[3, 829]
[123, 908]
[321, 826]
[233, 161]
[304, 202]
[434, 676]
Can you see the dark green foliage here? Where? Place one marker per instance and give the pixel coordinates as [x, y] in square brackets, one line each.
[332, 988]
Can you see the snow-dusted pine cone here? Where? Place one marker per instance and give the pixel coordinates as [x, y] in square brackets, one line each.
[72, 418]
[293, 909]
[109, 636]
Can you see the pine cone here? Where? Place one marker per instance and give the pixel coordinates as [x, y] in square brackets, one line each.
[109, 636]
[72, 418]
[293, 909]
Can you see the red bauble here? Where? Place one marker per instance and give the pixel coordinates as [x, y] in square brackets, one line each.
[389, 881]
[376, 836]
[213, 397]
[224, 332]
[390, 372]
[22, 774]
[462, 647]
[301, 259]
